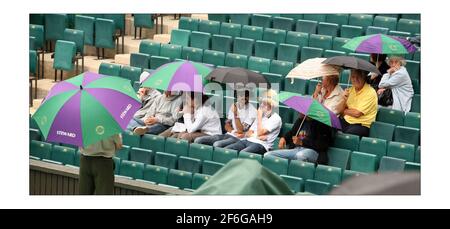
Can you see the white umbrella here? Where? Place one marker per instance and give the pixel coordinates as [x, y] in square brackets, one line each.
[313, 68]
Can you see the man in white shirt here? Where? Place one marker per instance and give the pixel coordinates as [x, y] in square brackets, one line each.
[240, 117]
[264, 130]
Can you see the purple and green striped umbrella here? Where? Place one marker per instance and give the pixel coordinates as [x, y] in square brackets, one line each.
[310, 107]
[380, 44]
[86, 109]
[178, 76]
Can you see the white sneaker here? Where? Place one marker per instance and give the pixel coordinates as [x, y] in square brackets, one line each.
[141, 130]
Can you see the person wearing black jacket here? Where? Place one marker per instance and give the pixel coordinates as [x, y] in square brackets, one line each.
[309, 145]
[379, 60]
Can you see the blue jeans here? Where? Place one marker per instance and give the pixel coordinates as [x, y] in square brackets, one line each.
[219, 141]
[298, 153]
[247, 146]
[135, 122]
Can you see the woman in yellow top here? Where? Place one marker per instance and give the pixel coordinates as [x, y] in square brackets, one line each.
[359, 105]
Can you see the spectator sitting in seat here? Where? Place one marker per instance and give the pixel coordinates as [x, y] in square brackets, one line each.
[379, 60]
[329, 93]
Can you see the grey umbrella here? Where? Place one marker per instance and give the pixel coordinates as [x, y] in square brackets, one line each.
[235, 75]
[352, 62]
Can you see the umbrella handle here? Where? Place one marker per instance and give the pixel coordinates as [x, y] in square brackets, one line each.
[301, 124]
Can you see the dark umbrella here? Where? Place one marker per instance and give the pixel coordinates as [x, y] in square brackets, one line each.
[352, 62]
[235, 75]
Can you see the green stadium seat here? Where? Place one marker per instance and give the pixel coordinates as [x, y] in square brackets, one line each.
[295, 183]
[295, 85]
[411, 166]
[363, 20]
[262, 20]
[158, 61]
[230, 29]
[32, 43]
[391, 116]
[223, 155]
[247, 155]
[288, 52]
[274, 35]
[151, 48]
[276, 164]
[188, 23]
[145, 156]
[312, 86]
[415, 104]
[293, 16]
[142, 21]
[242, 19]
[416, 86]
[215, 58]
[243, 46]
[37, 19]
[192, 54]
[54, 26]
[317, 187]
[408, 25]
[417, 155]
[212, 27]
[132, 169]
[330, 174]
[281, 67]
[284, 23]
[350, 173]
[302, 169]
[285, 128]
[273, 79]
[390, 164]
[417, 56]
[32, 123]
[218, 17]
[171, 51]
[155, 174]
[189, 164]
[221, 43]
[37, 31]
[258, 64]
[109, 69]
[236, 60]
[340, 19]
[178, 147]
[198, 179]
[320, 41]
[200, 151]
[411, 16]
[315, 17]
[329, 29]
[399, 33]
[332, 53]
[413, 68]
[64, 55]
[124, 153]
[407, 135]
[345, 76]
[166, 160]
[63, 154]
[297, 38]
[119, 22]
[131, 73]
[376, 30]
[76, 158]
[310, 52]
[211, 167]
[363, 56]
[117, 162]
[140, 60]
[286, 114]
[252, 32]
[351, 31]
[374, 146]
[338, 157]
[363, 162]
[200, 40]
[180, 37]
[401, 150]
[306, 26]
[338, 42]
[104, 34]
[385, 22]
[178, 178]
[266, 49]
[346, 141]
[35, 134]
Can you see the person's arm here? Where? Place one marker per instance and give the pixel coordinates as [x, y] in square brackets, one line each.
[353, 112]
[237, 120]
[340, 107]
[118, 141]
[200, 120]
[391, 80]
[260, 129]
[152, 109]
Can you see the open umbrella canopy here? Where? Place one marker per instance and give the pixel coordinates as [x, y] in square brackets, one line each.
[380, 44]
[236, 75]
[313, 68]
[352, 62]
[178, 76]
[310, 107]
[86, 109]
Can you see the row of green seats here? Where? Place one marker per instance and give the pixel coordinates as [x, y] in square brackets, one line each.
[398, 118]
